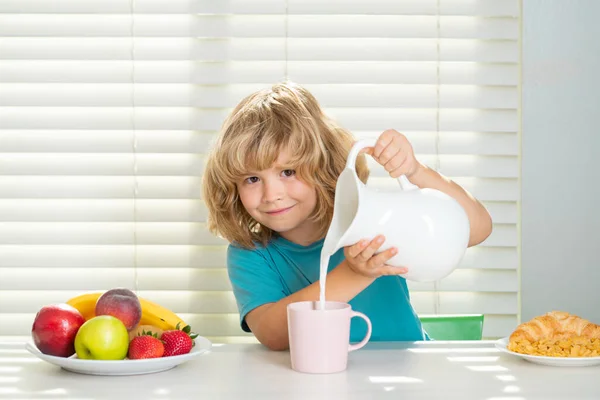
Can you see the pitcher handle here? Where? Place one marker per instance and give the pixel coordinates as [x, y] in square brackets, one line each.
[405, 184]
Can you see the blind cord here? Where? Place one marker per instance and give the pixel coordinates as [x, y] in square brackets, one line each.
[436, 303]
[134, 148]
[285, 71]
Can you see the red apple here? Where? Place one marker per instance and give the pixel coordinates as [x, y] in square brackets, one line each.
[121, 303]
[54, 329]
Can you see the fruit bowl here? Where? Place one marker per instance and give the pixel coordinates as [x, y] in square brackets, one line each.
[122, 367]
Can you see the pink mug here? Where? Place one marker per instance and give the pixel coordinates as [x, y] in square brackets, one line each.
[320, 339]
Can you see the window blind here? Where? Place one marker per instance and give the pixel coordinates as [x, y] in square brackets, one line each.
[107, 108]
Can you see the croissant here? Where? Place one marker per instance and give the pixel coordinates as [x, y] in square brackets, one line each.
[555, 325]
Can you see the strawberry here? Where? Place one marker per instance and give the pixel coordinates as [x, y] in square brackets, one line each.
[145, 346]
[177, 341]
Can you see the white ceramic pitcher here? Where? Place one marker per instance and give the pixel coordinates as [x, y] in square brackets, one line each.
[429, 228]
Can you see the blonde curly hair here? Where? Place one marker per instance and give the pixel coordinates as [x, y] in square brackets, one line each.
[285, 116]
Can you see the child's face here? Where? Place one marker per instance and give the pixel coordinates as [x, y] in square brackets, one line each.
[279, 200]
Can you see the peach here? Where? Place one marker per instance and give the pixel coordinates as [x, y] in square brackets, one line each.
[121, 303]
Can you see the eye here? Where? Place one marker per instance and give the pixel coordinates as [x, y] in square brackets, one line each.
[288, 172]
[251, 179]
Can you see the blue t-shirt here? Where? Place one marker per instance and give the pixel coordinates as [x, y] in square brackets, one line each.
[268, 274]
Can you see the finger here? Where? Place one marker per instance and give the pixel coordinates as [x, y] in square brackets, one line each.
[385, 270]
[391, 150]
[388, 154]
[366, 150]
[408, 167]
[401, 169]
[368, 251]
[395, 162]
[384, 140]
[356, 249]
[381, 258]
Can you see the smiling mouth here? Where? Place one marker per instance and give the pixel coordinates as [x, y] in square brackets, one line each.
[280, 211]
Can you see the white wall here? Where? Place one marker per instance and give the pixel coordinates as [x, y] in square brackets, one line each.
[560, 151]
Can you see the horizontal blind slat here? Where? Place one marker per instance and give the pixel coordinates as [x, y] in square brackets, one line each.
[164, 25]
[499, 326]
[486, 8]
[457, 165]
[101, 187]
[472, 280]
[145, 6]
[102, 164]
[65, 164]
[402, 49]
[465, 302]
[183, 256]
[207, 281]
[260, 49]
[259, 26]
[427, 7]
[490, 257]
[181, 187]
[407, 72]
[183, 95]
[402, 26]
[503, 235]
[212, 285]
[102, 210]
[148, 210]
[113, 256]
[491, 189]
[480, 280]
[197, 142]
[264, 72]
[425, 119]
[108, 141]
[177, 233]
[187, 118]
[146, 118]
[503, 212]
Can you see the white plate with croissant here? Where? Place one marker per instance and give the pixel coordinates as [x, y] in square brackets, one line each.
[556, 338]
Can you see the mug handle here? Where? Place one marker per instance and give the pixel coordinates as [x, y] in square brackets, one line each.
[357, 346]
[405, 184]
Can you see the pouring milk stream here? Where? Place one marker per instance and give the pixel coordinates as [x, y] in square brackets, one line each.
[428, 227]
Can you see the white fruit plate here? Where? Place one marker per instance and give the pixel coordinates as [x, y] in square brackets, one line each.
[502, 345]
[122, 367]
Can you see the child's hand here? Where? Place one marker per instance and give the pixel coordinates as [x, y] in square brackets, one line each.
[361, 258]
[395, 153]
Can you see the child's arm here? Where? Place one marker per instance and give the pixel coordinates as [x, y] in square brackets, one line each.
[269, 321]
[395, 153]
[479, 218]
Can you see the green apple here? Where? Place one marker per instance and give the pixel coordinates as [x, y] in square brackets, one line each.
[102, 338]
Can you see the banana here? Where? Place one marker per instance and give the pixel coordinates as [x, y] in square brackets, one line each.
[85, 304]
[161, 317]
[152, 313]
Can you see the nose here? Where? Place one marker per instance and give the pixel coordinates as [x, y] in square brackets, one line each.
[273, 191]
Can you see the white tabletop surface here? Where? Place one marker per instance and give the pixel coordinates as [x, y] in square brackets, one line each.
[420, 370]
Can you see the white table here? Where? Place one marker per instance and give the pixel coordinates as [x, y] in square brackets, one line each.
[421, 370]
